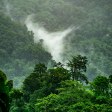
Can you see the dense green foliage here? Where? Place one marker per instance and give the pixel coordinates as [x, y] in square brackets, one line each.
[51, 86]
[5, 88]
[60, 93]
[78, 67]
[92, 39]
[52, 90]
[18, 52]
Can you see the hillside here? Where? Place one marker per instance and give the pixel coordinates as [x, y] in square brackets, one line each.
[93, 39]
[55, 55]
[17, 49]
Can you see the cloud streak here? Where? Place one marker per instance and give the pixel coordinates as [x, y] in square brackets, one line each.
[53, 41]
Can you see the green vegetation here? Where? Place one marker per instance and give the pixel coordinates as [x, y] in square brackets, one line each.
[54, 90]
[5, 88]
[18, 52]
[83, 83]
[92, 39]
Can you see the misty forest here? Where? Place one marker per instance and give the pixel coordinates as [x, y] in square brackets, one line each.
[55, 55]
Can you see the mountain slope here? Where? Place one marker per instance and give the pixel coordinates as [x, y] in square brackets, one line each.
[18, 52]
[94, 36]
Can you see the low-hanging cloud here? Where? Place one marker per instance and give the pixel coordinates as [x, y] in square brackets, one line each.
[53, 41]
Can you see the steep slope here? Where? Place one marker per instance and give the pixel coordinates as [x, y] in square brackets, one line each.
[18, 52]
[94, 36]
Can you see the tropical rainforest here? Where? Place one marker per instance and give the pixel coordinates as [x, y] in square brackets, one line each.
[55, 55]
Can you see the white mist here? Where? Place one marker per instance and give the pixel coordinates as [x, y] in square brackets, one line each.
[53, 41]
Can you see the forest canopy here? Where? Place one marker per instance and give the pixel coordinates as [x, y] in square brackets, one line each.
[79, 32]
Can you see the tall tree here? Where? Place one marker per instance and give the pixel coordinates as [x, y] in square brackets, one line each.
[77, 68]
